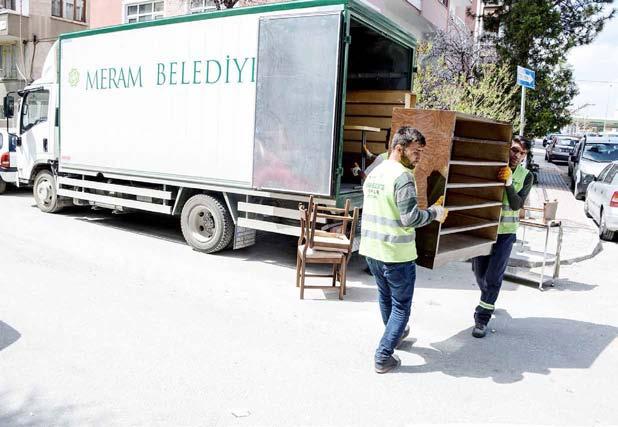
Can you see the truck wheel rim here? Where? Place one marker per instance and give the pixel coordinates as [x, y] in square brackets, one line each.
[202, 224]
[44, 192]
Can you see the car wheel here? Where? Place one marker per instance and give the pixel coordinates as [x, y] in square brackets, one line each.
[604, 233]
[576, 193]
[586, 209]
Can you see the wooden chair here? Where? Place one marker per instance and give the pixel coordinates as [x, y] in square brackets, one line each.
[323, 247]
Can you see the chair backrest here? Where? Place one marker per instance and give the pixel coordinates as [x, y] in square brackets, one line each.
[549, 210]
[345, 220]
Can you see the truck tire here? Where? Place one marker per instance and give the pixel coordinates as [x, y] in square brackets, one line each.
[206, 224]
[44, 191]
[2, 186]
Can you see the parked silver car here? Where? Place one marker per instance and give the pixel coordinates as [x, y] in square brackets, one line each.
[560, 148]
[595, 154]
[602, 201]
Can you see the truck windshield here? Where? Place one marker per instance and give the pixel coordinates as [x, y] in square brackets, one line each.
[35, 109]
[601, 152]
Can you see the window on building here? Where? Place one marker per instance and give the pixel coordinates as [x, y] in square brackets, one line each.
[75, 10]
[198, 6]
[145, 11]
[8, 68]
[7, 4]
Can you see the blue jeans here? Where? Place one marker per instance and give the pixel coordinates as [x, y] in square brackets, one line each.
[489, 272]
[395, 289]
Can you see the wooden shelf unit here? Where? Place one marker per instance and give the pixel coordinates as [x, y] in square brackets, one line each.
[461, 162]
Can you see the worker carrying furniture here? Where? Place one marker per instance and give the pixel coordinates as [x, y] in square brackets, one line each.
[489, 270]
[390, 215]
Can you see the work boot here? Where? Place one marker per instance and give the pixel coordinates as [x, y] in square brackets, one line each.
[406, 332]
[479, 330]
[391, 363]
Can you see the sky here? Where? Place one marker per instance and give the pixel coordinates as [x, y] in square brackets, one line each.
[597, 62]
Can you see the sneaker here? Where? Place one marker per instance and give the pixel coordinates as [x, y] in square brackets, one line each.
[479, 330]
[391, 363]
[406, 332]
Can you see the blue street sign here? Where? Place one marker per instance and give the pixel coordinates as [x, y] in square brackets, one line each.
[525, 77]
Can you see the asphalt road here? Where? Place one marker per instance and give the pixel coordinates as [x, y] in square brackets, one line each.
[113, 320]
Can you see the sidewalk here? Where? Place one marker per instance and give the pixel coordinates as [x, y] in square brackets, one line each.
[580, 234]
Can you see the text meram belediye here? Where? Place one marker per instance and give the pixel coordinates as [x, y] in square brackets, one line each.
[209, 71]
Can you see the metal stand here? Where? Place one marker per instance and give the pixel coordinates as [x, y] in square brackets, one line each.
[548, 226]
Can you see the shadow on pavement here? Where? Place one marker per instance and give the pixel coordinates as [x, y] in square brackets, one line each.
[34, 411]
[566, 285]
[8, 336]
[520, 345]
[21, 192]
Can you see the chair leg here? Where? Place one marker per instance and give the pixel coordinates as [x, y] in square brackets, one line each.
[342, 281]
[342, 290]
[334, 275]
[302, 279]
[298, 261]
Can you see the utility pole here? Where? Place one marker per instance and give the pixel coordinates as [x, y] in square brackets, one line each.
[522, 111]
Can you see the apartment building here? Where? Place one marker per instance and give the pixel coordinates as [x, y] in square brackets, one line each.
[28, 28]
[430, 14]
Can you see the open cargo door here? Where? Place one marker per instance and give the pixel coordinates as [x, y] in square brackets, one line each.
[296, 103]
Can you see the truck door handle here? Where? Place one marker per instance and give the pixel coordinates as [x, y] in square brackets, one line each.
[45, 144]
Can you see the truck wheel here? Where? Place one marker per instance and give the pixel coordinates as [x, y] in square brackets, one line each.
[206, 224]
[44, 191]
[2, 186]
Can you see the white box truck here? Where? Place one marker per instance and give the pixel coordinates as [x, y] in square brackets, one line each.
[226, 119]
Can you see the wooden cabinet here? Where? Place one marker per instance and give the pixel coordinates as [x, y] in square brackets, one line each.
[461, 162]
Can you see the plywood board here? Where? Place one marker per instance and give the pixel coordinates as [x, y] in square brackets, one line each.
[377, 97]
[483, 193]
[370, 110]
[378, 122]
[437, 127]
[483, 130]
[480, 150]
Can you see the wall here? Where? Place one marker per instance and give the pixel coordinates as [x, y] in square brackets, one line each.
[103, 13]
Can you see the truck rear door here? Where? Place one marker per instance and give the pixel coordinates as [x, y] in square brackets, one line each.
[297, 103]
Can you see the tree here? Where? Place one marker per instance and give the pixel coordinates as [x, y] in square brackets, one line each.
[458, 73]
[227, 3]
[538, 34]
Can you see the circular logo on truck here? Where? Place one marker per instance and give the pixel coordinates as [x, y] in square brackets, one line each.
[73, 77]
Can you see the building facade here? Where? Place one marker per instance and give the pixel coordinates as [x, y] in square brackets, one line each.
[432, 14]
[28, 29]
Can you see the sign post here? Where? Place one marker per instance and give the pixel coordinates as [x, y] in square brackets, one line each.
[525, 78]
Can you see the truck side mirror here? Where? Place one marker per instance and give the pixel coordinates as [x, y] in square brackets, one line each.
[9, 106]
[14, 141]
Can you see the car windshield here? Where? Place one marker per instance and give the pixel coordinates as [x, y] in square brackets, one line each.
[601, 152]
[567, 141]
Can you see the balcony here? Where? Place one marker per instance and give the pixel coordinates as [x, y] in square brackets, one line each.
[9, 26]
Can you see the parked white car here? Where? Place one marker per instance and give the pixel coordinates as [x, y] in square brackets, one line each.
[8, 171]
[602, 201]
